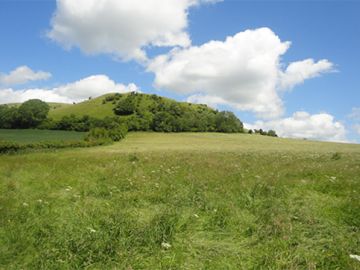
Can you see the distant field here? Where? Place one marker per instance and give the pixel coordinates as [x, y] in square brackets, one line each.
[183, 201]
[33, 135]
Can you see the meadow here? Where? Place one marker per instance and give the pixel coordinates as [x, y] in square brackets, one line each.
[34, 135]
[182, 201]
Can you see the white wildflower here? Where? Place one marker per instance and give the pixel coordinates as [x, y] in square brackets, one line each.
[25, 204]
[165, 245]
[356, 257]
[92, 230]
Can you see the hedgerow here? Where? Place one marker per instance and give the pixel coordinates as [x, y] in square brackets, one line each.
[12, 147]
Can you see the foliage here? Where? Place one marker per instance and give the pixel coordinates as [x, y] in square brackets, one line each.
[227, 122]
[8, 116]
[36, 135]
[270, 133]
[102, 134]
[151, 112]
[12, 147]
[31, 113]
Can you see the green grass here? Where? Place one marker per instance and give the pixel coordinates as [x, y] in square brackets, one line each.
[93, 107]
[221, 202]
[33, 135]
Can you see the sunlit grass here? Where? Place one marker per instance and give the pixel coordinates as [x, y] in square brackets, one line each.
[182, 201]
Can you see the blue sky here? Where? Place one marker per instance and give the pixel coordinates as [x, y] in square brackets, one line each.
[320, 105]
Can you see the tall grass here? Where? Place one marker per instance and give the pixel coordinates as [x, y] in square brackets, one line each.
[143, 205]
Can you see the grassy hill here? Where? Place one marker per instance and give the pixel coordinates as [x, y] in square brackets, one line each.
[97, 108]
[94, 108]
[183, 201]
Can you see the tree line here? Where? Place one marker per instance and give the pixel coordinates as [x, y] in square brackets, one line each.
[135, 112]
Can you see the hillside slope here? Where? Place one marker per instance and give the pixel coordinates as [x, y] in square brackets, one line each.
[94, 108]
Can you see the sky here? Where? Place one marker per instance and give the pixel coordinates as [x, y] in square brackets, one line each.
[292, 66]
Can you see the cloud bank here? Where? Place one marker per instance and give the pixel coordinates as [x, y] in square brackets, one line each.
[92, 86]
[21, 75]
[301, 124]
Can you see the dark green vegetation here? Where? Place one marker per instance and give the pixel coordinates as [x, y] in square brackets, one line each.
[30, 114]
[13, 140]
[142, 112]
[182, 201]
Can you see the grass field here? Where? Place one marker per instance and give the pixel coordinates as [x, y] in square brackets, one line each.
[33, 135]
[182, 201]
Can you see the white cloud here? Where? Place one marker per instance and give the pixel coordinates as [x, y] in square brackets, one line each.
[122, 27]
[23, 74]
[301, 124]
[244, 71]
[77, 91]
[298, 72]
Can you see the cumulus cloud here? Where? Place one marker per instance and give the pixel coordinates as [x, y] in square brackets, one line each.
[244, 71]
[122, 27]
[23, 74]
[77, 91]
[301, 124]
[298, 72]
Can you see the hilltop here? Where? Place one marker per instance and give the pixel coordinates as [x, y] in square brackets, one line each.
[103, 106]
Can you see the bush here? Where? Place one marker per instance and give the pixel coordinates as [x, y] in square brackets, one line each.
[106, 135]
[98, 134]
[9, 147]
[13, 147]
[118, 133]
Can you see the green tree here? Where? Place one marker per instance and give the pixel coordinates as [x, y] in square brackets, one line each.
[8, 116]
[32, 112]
[126, 106]
[272, 133]
[227, 122]
[163, 121]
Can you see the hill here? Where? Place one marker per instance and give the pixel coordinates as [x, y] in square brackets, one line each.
[97, 108]
[182, 201]
[144, 112]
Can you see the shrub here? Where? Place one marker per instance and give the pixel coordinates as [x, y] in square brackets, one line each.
[13, 147]
[98, 134]
[118, 133]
